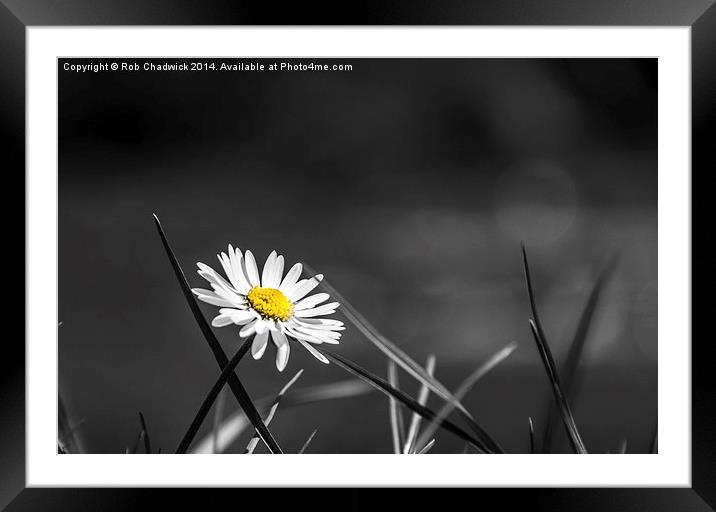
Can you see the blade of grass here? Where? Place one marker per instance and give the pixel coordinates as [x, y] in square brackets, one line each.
[396, 413]
[482, 441]
[233, 426]
[147, 444]
[574, 354]
[559, 397]
[218, 414]
[427, 447]
[135, 446]
[530, 292]
[623, 446]
[211, 397]
[548, 361]
[409, 446]
[308, 441]
[532, 435]
[234, 383]
[272, 411]
[464, 388]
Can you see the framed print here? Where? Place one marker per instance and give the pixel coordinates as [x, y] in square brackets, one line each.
[395, 254]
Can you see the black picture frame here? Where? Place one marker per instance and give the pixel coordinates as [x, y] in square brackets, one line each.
[17, 15]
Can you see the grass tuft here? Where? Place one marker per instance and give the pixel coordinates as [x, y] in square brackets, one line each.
[402, 359]
[481, 441]
[464, 388]
[389, 348]
[546, 355]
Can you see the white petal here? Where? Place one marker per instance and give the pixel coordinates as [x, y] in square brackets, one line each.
[277, 272]
[298, 335]
[315, 353]
[322, 336]
[266, 276]
[249, 328]
[226, 265]
[291, 278]
[283, 349]
[325, 309]
[221, 321]
[300, 291]
[242, 317]
[311, 301]
[210, 275]
[235, 257]
[228, 311]
[233, 271]
[322, 323]
[211, 298]
[229, 295]
[306, 322]
[261, 326]
[252, 272]
[258, 346]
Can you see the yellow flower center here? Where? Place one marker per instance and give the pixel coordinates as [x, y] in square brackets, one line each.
[270, 303]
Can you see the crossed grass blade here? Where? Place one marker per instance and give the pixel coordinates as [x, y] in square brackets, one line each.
[481, 441]
[211, 398]
[222, 360]
[464, 388]
[546, 356]
[272, 411]
[569, 374]
[398, 356]
[415, 420]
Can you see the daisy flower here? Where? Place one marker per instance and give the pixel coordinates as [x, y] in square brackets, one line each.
[269, 305]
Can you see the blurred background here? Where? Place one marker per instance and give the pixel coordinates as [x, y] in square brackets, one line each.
[409, 183]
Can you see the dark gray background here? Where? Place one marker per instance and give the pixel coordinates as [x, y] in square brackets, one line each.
[409, 183]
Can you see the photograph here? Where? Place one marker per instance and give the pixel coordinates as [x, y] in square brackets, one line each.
[357, 255]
